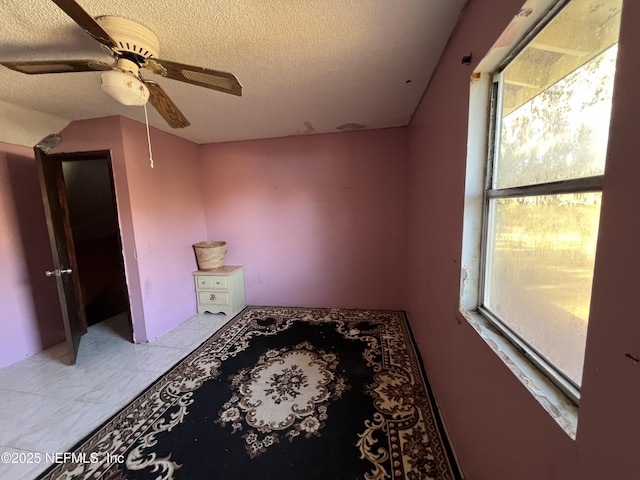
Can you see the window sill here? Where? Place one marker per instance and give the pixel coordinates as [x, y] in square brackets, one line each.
[552, 399]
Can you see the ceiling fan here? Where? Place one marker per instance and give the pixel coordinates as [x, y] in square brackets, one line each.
[133, 47]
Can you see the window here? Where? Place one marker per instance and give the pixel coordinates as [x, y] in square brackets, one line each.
[550, 109]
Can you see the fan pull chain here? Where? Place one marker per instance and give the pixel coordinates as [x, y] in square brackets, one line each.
[146, 122]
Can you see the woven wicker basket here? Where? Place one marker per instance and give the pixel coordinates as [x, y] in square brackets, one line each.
[210, 255]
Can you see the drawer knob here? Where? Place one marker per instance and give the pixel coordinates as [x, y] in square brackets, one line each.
[212, 297]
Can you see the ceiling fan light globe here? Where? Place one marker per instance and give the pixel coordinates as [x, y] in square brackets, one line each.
[124, 88]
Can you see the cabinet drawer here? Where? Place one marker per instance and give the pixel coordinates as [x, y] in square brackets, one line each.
[211, 282]
[213, 298]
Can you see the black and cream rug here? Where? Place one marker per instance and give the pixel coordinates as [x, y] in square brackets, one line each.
[280, 393]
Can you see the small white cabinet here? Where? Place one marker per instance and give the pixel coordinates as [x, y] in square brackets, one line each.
[220, 290]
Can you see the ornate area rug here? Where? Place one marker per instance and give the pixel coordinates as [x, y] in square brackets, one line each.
[280, 393]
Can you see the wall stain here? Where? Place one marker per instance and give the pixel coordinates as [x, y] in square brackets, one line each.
[308, 128]
[350, 126]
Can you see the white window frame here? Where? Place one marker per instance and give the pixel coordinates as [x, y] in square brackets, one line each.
[556, 394]
[574, 185]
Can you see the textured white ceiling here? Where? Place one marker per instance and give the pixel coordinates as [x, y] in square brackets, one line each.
[306, 66]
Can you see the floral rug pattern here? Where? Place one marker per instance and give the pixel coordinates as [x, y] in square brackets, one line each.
[280, 393]
[288, 390]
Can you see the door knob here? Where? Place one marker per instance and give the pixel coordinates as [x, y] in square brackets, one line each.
[57, 273]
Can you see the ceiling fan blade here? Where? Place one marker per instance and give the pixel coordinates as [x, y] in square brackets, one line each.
[203, 77]
[86, 21]
[56, 66]
[165, 106]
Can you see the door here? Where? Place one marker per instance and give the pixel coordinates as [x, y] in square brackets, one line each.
[64, 270]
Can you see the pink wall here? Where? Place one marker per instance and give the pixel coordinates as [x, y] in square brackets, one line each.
[498, 430]
[161, 216]
[30, 313]
[316, 220]
[167, 204]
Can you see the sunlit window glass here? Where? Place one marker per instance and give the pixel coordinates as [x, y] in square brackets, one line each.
[551, 123]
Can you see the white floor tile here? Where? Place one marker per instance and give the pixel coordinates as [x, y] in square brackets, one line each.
[20, 411]
[69, 424]
[47, 405]
[19, 464]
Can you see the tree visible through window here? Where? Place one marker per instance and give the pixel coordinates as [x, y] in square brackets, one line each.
[550, 123]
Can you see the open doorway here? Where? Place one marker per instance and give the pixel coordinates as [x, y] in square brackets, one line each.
[95, 228]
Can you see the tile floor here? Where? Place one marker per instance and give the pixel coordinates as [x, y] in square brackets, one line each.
[47, 406]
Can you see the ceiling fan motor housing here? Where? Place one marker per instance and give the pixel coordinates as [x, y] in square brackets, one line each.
[130, 37]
